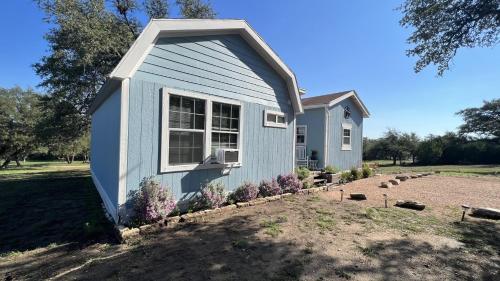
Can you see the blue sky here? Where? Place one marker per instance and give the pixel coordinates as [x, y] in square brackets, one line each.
[330, 45]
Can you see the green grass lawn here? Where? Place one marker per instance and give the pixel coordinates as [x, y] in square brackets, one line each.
[386, 167]
[49, 203]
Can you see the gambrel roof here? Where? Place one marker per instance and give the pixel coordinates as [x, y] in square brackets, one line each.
[157, 28]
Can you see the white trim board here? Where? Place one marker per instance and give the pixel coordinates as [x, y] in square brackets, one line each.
[275, 124]
[107, 202]
[122, 168]
[157, 28]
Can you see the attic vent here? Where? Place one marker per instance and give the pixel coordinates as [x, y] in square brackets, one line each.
[347, 112]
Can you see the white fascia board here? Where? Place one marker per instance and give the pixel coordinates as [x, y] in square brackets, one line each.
[181, 27]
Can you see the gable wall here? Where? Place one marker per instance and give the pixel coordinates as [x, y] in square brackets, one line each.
[345, 159]
[223, 66]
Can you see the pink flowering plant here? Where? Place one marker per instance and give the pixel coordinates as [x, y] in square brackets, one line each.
[151, 202]
[212, 195]
[269, 188]
[245, 192]
[290, 183]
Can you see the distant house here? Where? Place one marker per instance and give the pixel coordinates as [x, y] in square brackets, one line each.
[331, 128]
[195, 101]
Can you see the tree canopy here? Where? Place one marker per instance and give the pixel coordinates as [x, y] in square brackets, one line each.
[483, 121]
[441, 27]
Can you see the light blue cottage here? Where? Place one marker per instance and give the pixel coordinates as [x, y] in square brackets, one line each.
[193, 101]
[332, 127]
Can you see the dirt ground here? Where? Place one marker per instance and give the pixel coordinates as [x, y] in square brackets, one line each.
[303, 237]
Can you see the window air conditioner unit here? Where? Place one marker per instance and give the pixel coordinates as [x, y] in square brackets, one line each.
[227, 156]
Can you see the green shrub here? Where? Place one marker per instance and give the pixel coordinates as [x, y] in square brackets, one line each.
[330, 169]
[366, 171]
[306, 185]
[345, 177]
[302, 173]
[355, 174]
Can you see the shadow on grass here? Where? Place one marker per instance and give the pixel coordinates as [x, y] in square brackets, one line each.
[40, 209]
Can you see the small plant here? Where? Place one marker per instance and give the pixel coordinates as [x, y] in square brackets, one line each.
[212, 195]
[345, 177]
[302, 173]
[366, 171]
[273, 227]
[355, 174]
[290, 183]
[151, 202]
[245, 192]
[269, 188]
[330, 170]
[306, 185]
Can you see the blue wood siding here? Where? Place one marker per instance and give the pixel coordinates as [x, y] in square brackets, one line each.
[223, 66]
[314, 119]
[105, 144]
[345, 159]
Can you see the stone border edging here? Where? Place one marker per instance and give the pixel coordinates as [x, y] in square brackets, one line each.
[124, 233]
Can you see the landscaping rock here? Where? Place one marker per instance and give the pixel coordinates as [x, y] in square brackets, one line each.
[414, 176]
[394, 181]
[385, 184]
[125, 233]
[488, 213]
[286, 195]
[228, 207]
[419, 175]
[410, 204]
[172, 220]
[402, 177]
[242, 204]
[358, 196]
[378, 175]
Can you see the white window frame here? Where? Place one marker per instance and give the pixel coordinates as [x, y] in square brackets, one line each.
[346, 126]
[165, 167]
[275, 124]
[305, 135]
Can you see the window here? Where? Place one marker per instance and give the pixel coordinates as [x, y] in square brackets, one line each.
[346, 136]
[186, 130]
[194, 126]
[301, 135]
[225, 126]
[347, 112]
[274, 119]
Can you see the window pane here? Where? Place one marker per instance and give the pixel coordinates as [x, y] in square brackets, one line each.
[199, 106]
[174, 119]
[187, 121]
[187, 105]
[225, 124]
[235, 113]
[234, 125]
[216, 109]
[175, 103]
[271, 118]
[198, 140]
[281, 119]
[186, 156]
[224, 138]
[301, 130]
[233, 138]
[199, 122]
[301, 139]
[347, 140]
[216, 123]
[186, 139]
[173, 139]
[234, 146]
[226, 110]
[173, 155]
[215, 138]
[197, 155]
[347, 132]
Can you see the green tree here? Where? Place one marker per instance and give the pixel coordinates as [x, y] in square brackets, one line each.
[409, 143]
[192, 9]
[19, 114]
[392, 146]
[430, 150]
[483, 121]
[441, 27]
[156, 9]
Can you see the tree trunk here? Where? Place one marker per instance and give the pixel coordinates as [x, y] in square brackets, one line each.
[72, 158]
[68, 160]
[413, 159]
[5, 164]
[18, 164]
[394, 158]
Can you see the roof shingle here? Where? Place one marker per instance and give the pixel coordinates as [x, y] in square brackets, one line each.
[324, 99]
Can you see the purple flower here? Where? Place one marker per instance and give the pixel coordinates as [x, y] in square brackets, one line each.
[246, 192]
[290, 183]
[151, 202]
[269, 188]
